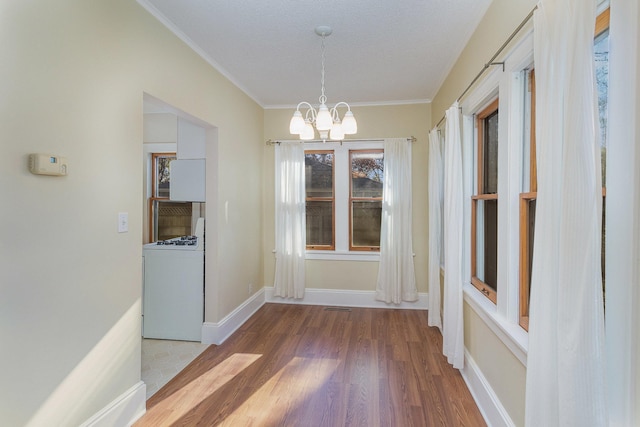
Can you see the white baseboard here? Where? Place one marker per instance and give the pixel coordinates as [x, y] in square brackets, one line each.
[217, 333]
[346, 298]
[123, 411]
[495, 415]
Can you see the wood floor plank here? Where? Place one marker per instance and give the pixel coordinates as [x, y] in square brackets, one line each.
[294, 365]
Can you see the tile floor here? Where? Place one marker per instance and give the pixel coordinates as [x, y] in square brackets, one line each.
[163, 359]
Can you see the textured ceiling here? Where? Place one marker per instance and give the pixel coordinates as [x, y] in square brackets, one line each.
[381, 51]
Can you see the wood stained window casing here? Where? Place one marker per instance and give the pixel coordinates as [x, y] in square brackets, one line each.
[602, 26]
[527, 214]
[486, 199]
[363, 200]
[311, 199]
[527, 223]
[155, 185]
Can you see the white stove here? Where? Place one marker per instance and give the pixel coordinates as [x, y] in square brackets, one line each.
[188, 243]
[173, 288]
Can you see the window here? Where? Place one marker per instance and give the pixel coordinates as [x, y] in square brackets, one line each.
[601, 51]
[528, 197]
[167, 219]
[365, 199]
[484, 205]
[161, 181]
[344, 199]
[320, 199]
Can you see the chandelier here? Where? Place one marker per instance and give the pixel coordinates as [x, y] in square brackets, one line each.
[326, 121]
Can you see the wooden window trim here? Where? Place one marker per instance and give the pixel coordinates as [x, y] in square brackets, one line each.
[332, 199]
[355, 199]
[154, 188]
[489, 110]
[525, 274]
[481, 196]
[602, 25]
[602, 22]
[475, 281]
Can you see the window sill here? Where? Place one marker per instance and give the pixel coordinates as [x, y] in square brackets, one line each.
[511, 334]
[343, 256]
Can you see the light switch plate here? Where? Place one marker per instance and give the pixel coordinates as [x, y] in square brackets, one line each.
[123, 222]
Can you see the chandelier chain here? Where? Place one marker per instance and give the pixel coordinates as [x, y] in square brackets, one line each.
[323, 97]
[326, 120]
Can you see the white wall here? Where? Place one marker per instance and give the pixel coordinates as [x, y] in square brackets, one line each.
[74, 73]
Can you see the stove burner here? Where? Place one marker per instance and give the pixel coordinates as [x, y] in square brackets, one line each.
[179, 241]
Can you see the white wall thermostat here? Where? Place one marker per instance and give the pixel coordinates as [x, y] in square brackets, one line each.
[47, 164]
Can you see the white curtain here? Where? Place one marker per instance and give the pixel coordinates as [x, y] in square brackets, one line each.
[290, 220]
[452, 323]
[565, 364]
[436, 189]
[396, 275]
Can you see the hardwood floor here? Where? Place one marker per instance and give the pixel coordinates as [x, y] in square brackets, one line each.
[295, 365]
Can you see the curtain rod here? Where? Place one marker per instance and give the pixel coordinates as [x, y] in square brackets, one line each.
[277, 142]
[492, 60]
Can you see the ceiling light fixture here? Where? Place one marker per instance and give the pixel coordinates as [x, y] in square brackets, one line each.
[327, 121]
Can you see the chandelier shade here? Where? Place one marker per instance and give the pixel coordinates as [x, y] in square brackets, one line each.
[326, 120]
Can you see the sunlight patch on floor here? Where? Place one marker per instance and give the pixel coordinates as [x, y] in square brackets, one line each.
[278, 396]
[188, 397]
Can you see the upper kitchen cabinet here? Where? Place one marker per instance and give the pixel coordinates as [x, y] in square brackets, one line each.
[191, 140]
[187, 180]
[167, 127]
[187, 171]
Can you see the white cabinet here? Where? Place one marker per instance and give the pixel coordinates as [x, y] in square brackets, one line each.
[191, 140]
[173, 297]
[188, 179]
[188, 175]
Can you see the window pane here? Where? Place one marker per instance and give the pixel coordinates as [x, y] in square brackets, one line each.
[529, 171]
[319, 174]
[367, 169]
[487, 242]
[171, 219]
[601, 51]
[531, 228]
[319, 223]
[365, 223]
[162, 176]
[490, 154]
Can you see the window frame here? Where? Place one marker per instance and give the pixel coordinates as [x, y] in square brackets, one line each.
[602, 25]
[524, 275]
[341, 193]
[503, 81]
[481, 196]
[353, 199]
[154, 190]
[331, 199]
[506, 80]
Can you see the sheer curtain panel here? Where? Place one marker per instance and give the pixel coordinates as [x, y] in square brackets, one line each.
[396, 275]
[435, 227]
[290, 220]
[452, 323]
[565, 363]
